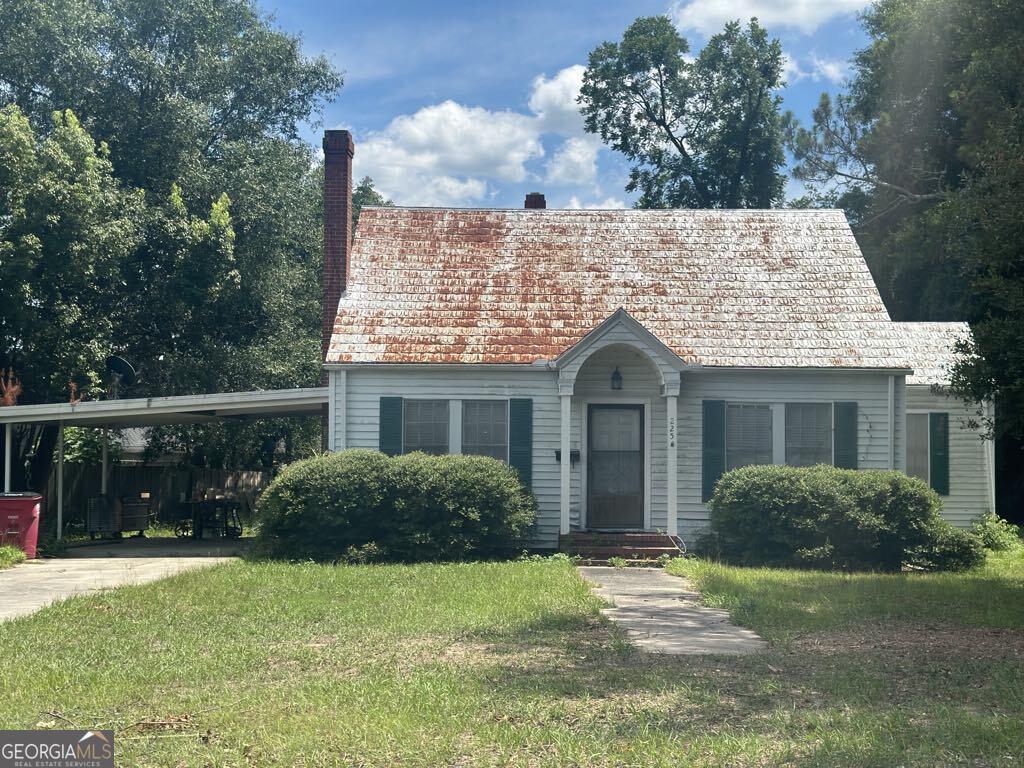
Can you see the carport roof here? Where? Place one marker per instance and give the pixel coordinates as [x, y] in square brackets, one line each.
[183, 409]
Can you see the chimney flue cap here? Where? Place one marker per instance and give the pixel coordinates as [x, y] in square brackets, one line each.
[535, 200]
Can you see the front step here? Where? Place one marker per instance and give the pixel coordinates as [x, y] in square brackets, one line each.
[635, 548]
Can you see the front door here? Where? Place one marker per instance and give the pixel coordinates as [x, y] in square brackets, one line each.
[615, 466]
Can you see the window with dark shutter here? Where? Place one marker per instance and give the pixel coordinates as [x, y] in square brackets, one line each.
[390, 426]
[844, 445]
[712, 445]
[938, 449]
[520, 437]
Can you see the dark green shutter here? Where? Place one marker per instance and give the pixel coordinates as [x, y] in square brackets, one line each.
[938, 452]
[520, 438]
[391, 425]
[844, 438]
[713, 442]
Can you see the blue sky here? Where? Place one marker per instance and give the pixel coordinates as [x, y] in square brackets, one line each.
[472, 104]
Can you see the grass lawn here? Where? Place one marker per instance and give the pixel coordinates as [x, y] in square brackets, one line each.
[10, 556]
[511, 664]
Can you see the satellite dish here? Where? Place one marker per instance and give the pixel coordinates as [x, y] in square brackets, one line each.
[121, 373]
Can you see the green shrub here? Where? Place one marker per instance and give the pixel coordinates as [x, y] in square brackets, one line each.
[951, 549]
[823, 517]
[997, 534]
[363, 506]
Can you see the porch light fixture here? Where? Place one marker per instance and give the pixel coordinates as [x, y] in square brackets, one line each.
[616, 379]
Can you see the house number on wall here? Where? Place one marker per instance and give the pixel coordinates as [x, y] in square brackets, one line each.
[672, 432]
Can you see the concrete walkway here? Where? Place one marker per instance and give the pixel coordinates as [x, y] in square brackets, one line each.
[30, 586]
[661, 614]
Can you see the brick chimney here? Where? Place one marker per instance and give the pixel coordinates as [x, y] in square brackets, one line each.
[535, 200]
[338, 152]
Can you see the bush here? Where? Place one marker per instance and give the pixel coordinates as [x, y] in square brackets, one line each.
[997, 534]
[363, 506]
[951, 549]
[823, 517]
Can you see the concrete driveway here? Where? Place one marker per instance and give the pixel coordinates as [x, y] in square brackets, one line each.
[26, 588]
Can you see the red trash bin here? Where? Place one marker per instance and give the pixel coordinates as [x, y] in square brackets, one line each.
[19, 521]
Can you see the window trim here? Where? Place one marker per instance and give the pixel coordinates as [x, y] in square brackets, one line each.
[928, 448]
[771, 410]
[831, 426]
[778, 411]
[455, 420]
[461, 424]
[422, 398]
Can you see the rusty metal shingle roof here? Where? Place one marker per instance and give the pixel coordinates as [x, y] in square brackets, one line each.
[930, 347]
[781, 288]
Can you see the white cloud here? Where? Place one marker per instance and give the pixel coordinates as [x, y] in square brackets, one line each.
[554, 101]
[829, 69]
[445, 154]
[575, 162]
[814, 67]
[791, 70]
[453, 154]
[709, 16]
[609, 203]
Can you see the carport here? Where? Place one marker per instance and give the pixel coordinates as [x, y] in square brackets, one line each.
[152, 411]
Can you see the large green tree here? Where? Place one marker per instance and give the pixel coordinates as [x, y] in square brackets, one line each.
[71, 236]
[196, 99]
[702, 132]
[925, 153]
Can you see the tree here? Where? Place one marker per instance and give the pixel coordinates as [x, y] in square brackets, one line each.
[702, 133]
[196, 100]
[925, 152]
[169, 85]
[66, 228]
[365, 194]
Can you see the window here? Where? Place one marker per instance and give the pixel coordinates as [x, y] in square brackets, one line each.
[485, 428]
[808, 434]
[748, 435]
[425, 426]
[917, 446]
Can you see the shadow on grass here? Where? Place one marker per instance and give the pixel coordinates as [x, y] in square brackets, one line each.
[866, 705]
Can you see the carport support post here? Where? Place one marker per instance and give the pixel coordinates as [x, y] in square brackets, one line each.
[106, 461]
[8, 432]
[60, 481]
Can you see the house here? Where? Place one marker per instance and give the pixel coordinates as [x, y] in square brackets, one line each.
[944, 434]
[620, 360]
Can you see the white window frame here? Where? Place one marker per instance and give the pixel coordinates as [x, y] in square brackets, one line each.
[508, 425]
[774, 419]
[831, 429]
[928, 412]
[778, 409]
[404, 399]
[455, 420]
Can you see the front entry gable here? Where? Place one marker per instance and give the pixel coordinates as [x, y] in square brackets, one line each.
[621, 328]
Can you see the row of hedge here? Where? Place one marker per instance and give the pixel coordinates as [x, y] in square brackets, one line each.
[362, 505]
[823, 517]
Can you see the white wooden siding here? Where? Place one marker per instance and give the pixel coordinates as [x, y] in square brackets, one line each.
[365, 387]
[869, 390]
[969, 474]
